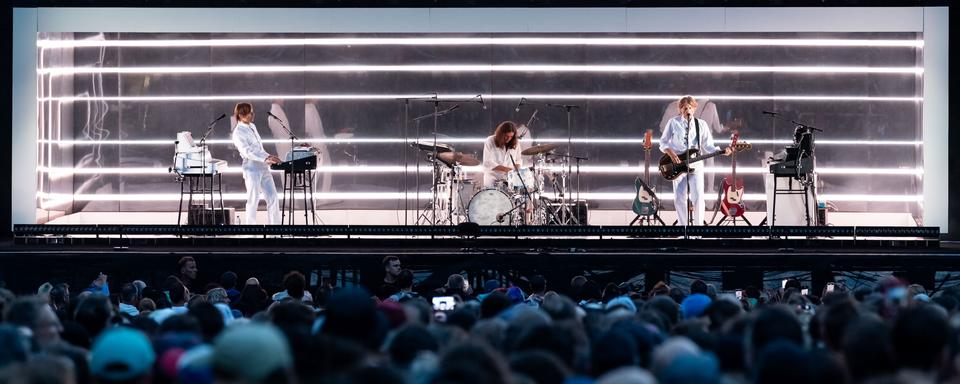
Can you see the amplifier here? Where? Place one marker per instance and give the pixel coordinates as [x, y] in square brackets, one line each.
[556, 214]
[220, 217]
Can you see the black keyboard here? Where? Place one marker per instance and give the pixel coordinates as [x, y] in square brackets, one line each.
[302, 164]
[790, 167]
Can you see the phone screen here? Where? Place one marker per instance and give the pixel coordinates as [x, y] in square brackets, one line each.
[739, 294]
[804, 292]
[783, 284]
[444, 303]
[830, 287]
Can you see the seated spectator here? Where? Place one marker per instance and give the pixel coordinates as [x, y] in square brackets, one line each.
[295, 287]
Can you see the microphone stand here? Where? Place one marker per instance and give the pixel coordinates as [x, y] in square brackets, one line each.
[568, 108]
[526, 192]
[436, 101]
[203, 176]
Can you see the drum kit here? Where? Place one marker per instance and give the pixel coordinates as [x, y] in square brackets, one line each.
[535, 195]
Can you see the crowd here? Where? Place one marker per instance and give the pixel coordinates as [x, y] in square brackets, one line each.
[521, 331]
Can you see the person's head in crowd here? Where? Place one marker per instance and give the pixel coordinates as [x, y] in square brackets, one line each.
[538, 285]
[456, 285]
[834, 322]
[783, 362]
[122, 355]
[694, 305]
[175, 291]
[698, 286]
[576, 283]
[295, 284]
[188, 270]
[610, 291]
[665, 305]
[147, 305]
[590, 292]
[920, 337]
[494, 304]
[410, 341]
[472, 362]
[611, 350]
[868, 349]
[44, 291]
[948, 302]
[627, 375]
[539, 367]
[128, 295]
[660, 288]
[253, 298]
[490, 285]
[405, 280]
[218, 295]
[33, 313]
[40, 369]
[722, 310]
[252, 353]
[209, 318]
[60, 296]
[679, 360]
[677, 294]
[559, 307]
[228, 280]
[770, 324]
[351, 314]
[14, 345]
[391, 268]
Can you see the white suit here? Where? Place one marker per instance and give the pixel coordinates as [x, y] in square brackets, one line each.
[673, 138]
[256, 173]
[707, 111]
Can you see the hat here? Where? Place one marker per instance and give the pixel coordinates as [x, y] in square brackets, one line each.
[121, 354]
[621, 302]
[253, 281]
[694, 305]
[251, 352]
[515, 295]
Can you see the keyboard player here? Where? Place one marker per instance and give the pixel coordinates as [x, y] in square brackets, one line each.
[256, 166]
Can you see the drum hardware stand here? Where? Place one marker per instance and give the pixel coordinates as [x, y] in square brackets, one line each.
[435, 100]
[564, 206]
[526, 193]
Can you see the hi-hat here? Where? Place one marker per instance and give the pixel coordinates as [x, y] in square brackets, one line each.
[451, 158]
[538, 149]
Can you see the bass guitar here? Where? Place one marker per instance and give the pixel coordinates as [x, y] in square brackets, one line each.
[670, 170]
[646, 202]
[732, 202]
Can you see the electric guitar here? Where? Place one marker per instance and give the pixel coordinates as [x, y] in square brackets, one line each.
[646, 202]
[671, 171]
[732, 202]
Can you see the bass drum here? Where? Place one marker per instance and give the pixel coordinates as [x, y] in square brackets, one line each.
[486, 205]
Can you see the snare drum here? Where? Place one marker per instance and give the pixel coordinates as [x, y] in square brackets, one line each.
[526, 175]
[487, 204]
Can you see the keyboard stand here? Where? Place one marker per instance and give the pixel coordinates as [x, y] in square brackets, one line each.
[298, 180]
[203, 184]
[790, 190]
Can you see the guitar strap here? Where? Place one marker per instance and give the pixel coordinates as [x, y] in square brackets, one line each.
[696, 123]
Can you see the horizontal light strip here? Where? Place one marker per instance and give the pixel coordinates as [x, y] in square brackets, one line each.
[588, 41]
[609, 196]
[433, 68]
[424, 168]
[448, 140]
[532, 97]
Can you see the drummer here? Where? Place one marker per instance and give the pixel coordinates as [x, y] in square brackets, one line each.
[501, 154]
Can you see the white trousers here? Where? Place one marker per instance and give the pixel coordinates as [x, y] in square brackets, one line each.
[260, 181]
[696, 196]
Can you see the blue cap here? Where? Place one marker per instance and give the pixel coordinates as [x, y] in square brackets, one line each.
[121, 354]
[694, 305]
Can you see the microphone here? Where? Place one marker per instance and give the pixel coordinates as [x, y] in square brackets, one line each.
[500, 217]
[273, 116]
[770, 113]
[482, 104]
[217, 119]
[519, 104]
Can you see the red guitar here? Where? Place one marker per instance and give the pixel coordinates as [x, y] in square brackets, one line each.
[732, 202]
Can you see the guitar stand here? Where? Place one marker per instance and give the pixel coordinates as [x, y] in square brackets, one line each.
[733, 220]
[647, 220]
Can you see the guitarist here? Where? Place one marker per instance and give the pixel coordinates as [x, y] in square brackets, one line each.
[682, 133]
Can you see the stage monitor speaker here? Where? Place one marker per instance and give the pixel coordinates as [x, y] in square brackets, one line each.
[220, 217]
[580, 210]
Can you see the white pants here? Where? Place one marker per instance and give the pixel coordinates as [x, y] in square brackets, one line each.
[260, 181]
[696, 196]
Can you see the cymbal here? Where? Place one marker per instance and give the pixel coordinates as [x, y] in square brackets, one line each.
[538, 149]
[429, 147]
[451, 158]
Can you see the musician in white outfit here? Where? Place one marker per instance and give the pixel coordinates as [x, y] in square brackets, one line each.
[672, 143]
[256, 166]
[498, 150]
